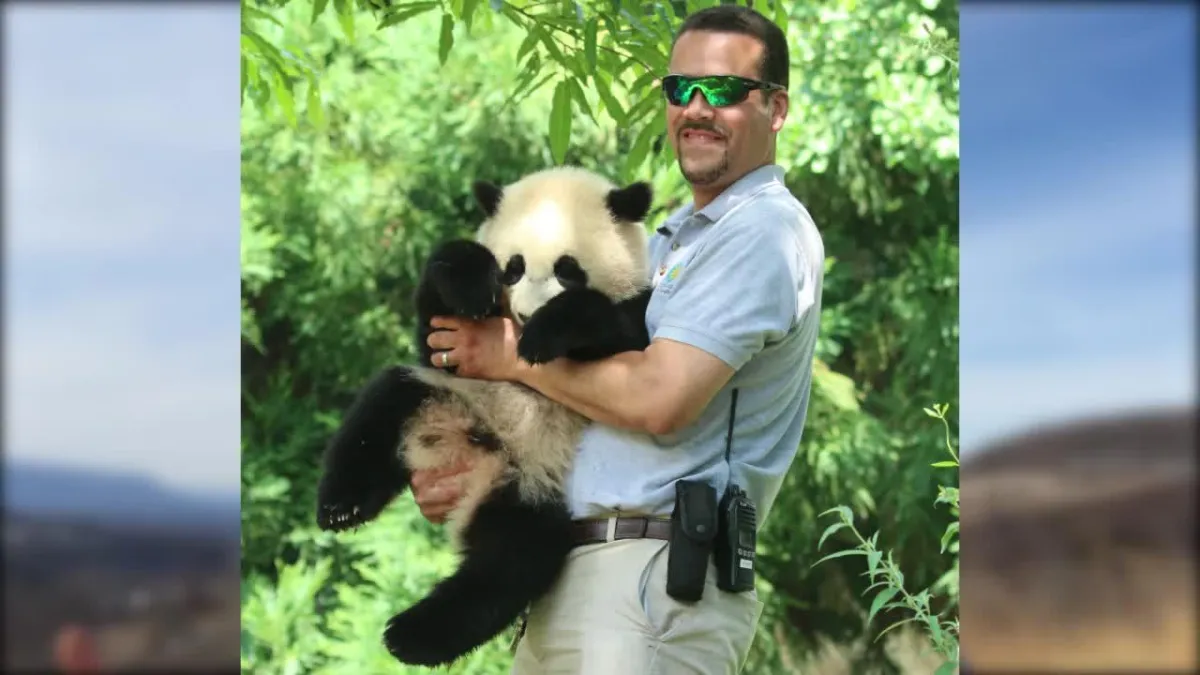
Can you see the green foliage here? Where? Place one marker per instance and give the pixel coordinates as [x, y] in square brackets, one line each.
[887, 576]
[363, 127]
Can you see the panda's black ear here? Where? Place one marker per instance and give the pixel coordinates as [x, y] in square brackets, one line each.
[631, 203]
[488, 196]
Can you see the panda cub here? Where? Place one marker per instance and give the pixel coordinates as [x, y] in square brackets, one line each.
[563, 253]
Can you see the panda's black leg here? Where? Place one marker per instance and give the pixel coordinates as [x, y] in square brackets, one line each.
[363, 469]
[513, 554]
[583, 324]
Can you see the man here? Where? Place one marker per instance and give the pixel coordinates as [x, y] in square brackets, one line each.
[736, 305]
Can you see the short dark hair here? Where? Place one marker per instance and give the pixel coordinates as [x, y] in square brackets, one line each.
[737, 19]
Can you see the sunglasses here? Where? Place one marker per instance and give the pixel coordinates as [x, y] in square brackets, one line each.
[718, 90]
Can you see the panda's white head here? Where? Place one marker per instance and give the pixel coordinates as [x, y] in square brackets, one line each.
[565, 227]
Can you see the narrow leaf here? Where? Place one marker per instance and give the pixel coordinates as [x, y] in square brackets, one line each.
[589, 44]
[406, 12]
[531, 39]
[615, 111]
[446, 40]
[315, 113]
[951, 529]
[249, 12]
[839, 554]
[781, 15]
[345, 12]
[560, 122]
[319, 9]
[580, 98]
[829, 531]
[880, 600]
[468, 12]
[283, 93]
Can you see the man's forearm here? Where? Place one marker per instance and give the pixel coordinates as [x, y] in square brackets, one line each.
[618, 391]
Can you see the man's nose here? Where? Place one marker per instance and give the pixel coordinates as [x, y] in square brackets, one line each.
[697, 108]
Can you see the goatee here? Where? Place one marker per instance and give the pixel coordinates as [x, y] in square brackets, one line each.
[707, 175]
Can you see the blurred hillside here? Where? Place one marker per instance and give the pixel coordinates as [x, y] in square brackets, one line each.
[151, 575]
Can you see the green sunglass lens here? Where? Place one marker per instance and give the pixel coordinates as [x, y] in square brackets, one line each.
[718, 91]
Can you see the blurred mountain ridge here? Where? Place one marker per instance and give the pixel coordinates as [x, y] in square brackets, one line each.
[127, 499]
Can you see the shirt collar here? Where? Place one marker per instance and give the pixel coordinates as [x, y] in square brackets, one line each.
[741, 190]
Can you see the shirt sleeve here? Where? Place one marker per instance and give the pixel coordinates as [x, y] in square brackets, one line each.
[741, 291]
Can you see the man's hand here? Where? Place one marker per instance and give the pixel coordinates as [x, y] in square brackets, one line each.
[484, 350]
[437, 491]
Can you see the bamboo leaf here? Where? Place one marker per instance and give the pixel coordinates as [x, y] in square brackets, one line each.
[589, 44]
[468, 12]
[611, 105]
[580, 97]
[318, 9]
[560, 122]
[405, 12]
[345, 12]
[446, 39]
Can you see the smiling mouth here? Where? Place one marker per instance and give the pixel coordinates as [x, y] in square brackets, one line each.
[700, 136]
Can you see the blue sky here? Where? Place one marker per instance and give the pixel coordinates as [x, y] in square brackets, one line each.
[1077, 212]
[121, 195]
[122, 207]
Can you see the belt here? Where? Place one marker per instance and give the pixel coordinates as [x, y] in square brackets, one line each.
[598, 530]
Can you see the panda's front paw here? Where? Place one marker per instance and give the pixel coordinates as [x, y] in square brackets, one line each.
[572, 323]
[467, 278]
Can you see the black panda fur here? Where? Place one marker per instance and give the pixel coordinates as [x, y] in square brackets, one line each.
[563, 251]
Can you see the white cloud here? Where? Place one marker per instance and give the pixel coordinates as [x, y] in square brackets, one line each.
[1138, 190]
[1060, 317]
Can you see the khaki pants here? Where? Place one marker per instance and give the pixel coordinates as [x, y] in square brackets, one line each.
[610, 615]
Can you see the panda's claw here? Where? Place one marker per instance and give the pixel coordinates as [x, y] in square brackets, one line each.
[343, 505]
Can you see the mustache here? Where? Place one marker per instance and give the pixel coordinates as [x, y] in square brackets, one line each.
[699, 126]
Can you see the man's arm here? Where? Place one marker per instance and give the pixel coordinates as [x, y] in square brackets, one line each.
[659, 390]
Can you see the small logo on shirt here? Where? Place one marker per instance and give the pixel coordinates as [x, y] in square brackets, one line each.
[674, 272]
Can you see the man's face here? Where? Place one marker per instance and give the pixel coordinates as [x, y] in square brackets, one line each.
[715, 146]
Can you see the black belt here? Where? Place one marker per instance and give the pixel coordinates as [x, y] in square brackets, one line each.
[595, 530]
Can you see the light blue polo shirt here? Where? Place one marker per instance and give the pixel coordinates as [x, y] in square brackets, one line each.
[740, 279]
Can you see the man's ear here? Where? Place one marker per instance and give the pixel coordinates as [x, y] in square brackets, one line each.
[779, 109]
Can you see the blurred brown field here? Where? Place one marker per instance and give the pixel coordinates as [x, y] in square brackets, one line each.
[83, 598]
[1079, 548]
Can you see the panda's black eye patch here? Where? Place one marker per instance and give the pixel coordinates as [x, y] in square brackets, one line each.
[514, 270]
[569, 272]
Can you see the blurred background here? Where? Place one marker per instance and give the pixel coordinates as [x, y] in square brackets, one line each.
[1078, 318]
[121, 493]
